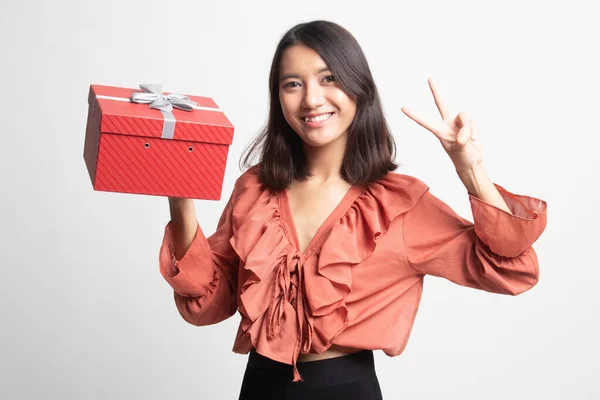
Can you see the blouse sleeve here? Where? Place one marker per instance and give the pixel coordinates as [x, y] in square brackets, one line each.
[493, 254]
[205, 279]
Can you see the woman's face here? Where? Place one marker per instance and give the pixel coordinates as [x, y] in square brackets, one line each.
[311, 100]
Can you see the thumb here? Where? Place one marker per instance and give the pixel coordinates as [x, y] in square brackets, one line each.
[464, 134]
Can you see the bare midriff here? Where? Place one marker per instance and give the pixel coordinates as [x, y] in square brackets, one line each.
[332, 352]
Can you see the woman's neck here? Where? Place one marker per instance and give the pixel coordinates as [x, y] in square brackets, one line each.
[325, 163]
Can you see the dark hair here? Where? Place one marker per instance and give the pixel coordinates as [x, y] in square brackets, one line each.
[370, 148]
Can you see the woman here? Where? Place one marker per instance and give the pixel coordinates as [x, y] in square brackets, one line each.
[322, 247]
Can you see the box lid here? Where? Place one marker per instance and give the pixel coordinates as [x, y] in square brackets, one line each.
[207, 123]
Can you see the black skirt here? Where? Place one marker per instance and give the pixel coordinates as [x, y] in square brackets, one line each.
[348, 377]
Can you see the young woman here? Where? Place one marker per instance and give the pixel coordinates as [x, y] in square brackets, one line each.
[322, 248]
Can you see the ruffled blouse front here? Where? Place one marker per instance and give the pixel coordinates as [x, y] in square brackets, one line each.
[359, 281]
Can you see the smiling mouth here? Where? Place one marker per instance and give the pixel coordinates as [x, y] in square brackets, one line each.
[317, 119]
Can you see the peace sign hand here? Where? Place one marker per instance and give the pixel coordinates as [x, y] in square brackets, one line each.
[457, 135]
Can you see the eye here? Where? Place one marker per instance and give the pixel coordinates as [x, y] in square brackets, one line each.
[330, 78]
[291, 84]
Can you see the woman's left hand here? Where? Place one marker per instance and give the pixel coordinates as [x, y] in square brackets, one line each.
[457, 135]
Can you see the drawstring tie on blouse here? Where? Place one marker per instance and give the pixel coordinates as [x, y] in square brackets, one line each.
[280, 295]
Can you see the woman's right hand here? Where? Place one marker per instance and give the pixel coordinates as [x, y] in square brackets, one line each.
[184, 224]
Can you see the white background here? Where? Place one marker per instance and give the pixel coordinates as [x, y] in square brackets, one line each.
[85, 313]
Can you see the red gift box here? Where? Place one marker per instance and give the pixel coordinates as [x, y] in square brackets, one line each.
[146, 145]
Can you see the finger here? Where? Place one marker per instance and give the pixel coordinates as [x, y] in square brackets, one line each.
[473, 130]
[433, 128]
[462, 137]
[438, 99]
[464, 134]
[461, 120]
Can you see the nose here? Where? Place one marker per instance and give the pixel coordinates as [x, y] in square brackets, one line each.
[313, 96]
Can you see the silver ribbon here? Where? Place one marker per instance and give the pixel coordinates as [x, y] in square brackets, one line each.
[153, 96]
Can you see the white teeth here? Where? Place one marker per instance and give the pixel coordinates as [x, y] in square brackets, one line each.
[320, 118]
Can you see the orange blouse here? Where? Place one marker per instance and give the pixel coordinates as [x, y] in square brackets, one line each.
[359, 282]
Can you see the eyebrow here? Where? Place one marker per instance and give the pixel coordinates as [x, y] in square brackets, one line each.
[288, 76]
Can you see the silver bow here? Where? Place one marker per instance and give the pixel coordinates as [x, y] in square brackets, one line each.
[153, 95]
